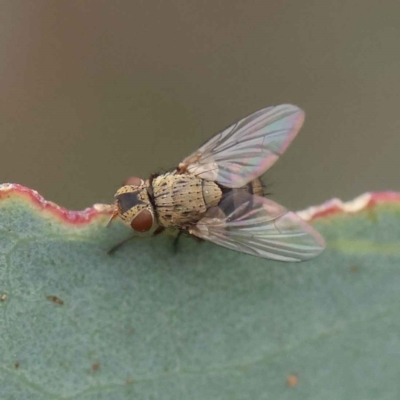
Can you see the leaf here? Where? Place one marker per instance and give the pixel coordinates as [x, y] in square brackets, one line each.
[205, 323]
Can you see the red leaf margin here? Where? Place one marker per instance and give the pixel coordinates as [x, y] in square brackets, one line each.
[86, 216]
[365, 201]
[82, 217]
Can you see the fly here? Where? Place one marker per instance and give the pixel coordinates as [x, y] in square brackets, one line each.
[215, 193]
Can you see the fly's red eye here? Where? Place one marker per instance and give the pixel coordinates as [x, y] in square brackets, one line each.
[143, 221]
[133, 181]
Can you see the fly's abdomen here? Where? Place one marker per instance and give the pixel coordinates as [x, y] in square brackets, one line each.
[256, 187]
[183, 199]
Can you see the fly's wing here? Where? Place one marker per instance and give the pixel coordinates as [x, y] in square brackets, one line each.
[260, 227]
[248, 148]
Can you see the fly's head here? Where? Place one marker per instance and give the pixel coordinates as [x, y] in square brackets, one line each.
[133, 206]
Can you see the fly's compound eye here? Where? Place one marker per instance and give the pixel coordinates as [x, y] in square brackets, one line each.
[133, 181]
[143, 221]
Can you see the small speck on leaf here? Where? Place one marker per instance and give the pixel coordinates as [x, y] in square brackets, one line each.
[16, 365]
[95, 367]
[129, 381]
[353, 268]
[292, 380]
[55, 299]
[3, 296]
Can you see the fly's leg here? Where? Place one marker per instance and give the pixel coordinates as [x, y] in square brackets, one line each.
[159, 230]
[176, 242]
[120, 244]
[179, 235]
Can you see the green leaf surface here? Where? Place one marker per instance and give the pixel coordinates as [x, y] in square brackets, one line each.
[205, 323]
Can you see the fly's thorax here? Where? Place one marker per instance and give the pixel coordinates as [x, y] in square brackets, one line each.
[134, 206]
[183, 199]
[211, 193]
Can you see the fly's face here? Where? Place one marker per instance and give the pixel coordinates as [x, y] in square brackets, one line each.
[133, 206]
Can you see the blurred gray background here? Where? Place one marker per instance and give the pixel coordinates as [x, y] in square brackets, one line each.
[95, 91]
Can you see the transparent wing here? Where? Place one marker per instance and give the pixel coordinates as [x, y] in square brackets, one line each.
[260, 227]
[248, 148]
